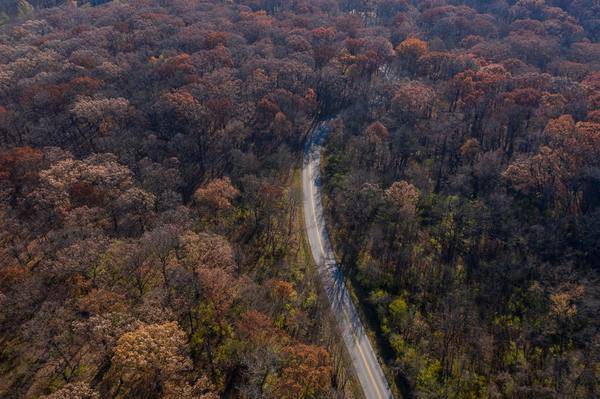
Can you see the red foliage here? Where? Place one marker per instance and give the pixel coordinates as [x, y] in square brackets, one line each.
[83, 193]
[268, 105]
[323, 33]
[20, 165]
[46, 97]
[171, 66]
[526, 97]
[86, 84]
[214, 39]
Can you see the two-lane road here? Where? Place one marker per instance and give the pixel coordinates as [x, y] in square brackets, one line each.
[364, 360]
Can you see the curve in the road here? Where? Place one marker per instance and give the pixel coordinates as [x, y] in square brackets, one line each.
[364, 360]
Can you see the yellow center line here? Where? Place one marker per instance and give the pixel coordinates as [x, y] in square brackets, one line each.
[357, 342]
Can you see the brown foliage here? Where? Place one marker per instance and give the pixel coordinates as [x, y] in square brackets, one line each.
[150, 355]
[217, 194]
[19, 165]
[306, 372]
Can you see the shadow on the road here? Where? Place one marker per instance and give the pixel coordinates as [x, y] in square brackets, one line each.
[318, 183]
[332, 277]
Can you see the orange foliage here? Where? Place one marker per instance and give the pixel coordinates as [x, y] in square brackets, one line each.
[526, 97]
[411, 48]
[282, 290]
[85, 193]
[217, 193]
[268, 105]
[214, 39]
[12, 274]
[377, 129]
[86, 83]
[20, 164]
[99, 301]
[180, 63]
[307, 373]
[256, 326]
[323, 33]
[45, 97]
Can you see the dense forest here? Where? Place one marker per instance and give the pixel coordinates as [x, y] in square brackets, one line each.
[150, 238]
[464, 188]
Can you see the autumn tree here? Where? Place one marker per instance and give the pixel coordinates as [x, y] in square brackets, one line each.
[305, 374]
[216, 196]
[148, 359]
[409, 52]
[413, 101]
[100, 117]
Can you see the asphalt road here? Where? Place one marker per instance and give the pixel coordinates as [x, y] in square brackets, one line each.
[364, 360]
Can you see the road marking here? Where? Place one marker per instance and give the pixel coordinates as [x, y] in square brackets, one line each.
[344, 310]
